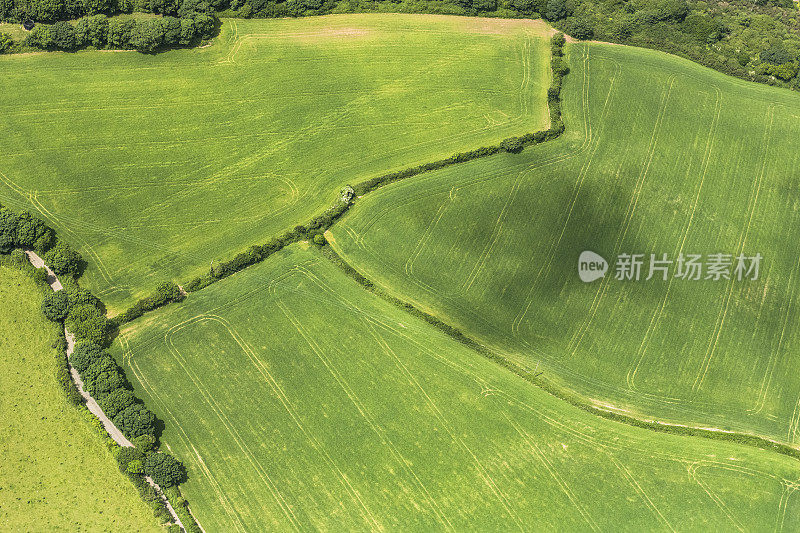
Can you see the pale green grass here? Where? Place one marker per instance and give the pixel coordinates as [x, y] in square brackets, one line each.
[153, 166]
[300, 401]
[660, 156]
[55, 472]
[16, 31]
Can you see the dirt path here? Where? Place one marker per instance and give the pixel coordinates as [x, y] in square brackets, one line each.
[91, 404]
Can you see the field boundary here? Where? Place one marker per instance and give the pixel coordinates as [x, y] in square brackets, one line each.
[561, 392]
[90, 403]
[349, 196]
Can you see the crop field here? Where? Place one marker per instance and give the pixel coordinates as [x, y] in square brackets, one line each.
[660, 156]
[55, 472]
[153, 166]
[312, 404]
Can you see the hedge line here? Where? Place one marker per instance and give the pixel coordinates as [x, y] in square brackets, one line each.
[314, 228]
[85, 316]
[166, 292]
[552, 388]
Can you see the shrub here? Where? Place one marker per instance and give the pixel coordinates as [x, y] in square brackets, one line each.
[125, 455]
[87, 323]
[513, 145]
[84, 355]
[55, 306]
[135, 420]
[116, 401]
[92, 31]
[5, 42]
[63, 260]
[164, 469]
[64, 36]
[145, 443]
[319, 239]
[578, 27]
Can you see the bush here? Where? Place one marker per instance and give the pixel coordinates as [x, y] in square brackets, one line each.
[578, 27]
[63, 260]
[145, 443]
[55, 306]
[556, 10]
[116, 401]
[5, 42]
[125, 455]
[319, 239]
[64, 36]
[513, 145]
[164, 469]
[135, 420]
[88, 324]
[92, 31]
[85, 354]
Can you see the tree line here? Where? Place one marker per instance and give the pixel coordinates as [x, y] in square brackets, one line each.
[84, 315]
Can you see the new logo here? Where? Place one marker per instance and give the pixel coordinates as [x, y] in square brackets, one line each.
[591, 266]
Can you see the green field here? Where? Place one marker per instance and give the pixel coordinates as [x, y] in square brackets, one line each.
[55, 472]
[660, 156]
[153, 166]
[312, 404]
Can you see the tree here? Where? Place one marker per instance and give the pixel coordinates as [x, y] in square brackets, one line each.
[556, 10]
[119, 33]
[5, 42]
[164, 469]
[62, 259]
[95, 7]
[55, 306]
[145, 443]
[147, 36]
[116, 401]
[85, 354]
[135, 467]
[30, 230]
[578, 27]
[92, 31]
[135, 420]
[512, 144]
[64, 36]
[127, 455]
[87, 323]
[106, 378]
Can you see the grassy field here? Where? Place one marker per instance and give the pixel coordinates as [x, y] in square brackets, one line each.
[55, 473]
[660, 156]
[300, 401]
[153, 166]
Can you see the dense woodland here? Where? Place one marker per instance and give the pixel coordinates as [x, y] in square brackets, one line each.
[752, 39]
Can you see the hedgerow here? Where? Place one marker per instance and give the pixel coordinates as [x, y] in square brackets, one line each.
[84, 315]
[165, 293]
[321, 223]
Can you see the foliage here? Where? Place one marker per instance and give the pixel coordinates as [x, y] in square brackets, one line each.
[125, 455]
[135, 420]
[165, 293]
[115, 401]
[84, 354]
[146, 443]
[164, 469]
[88, 324]
[63, 260]
[55, 306]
